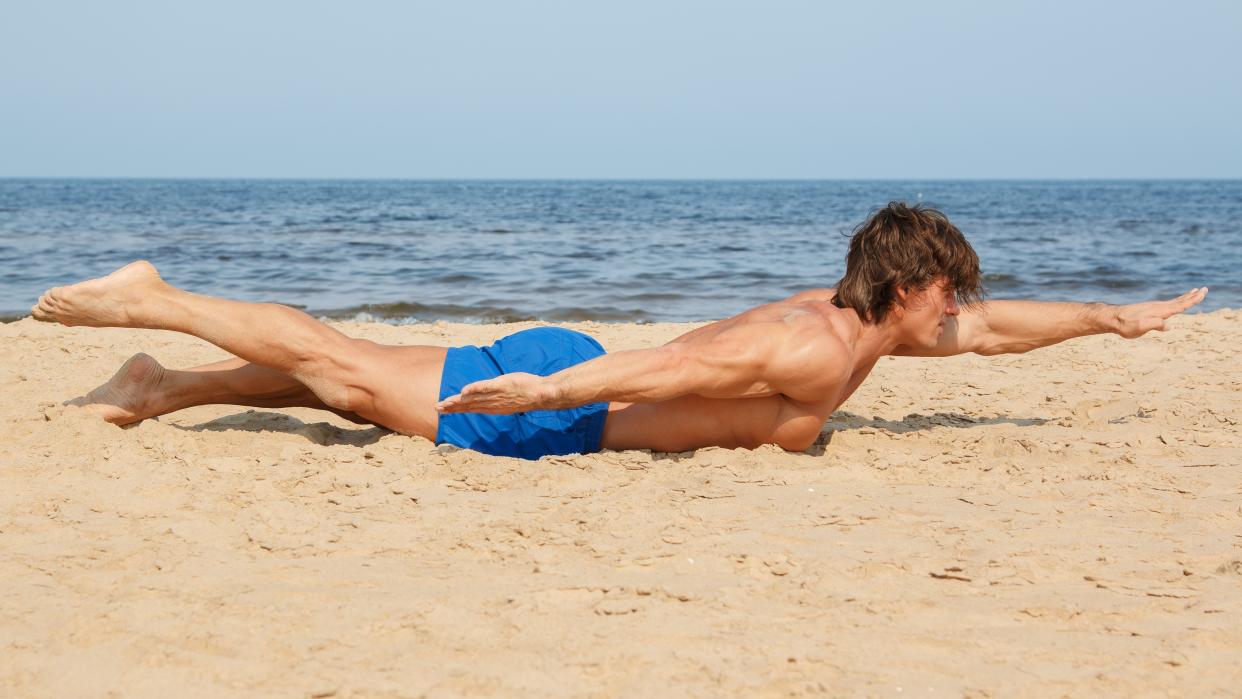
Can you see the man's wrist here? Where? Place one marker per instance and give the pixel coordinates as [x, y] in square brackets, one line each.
[1107, 318]
[553, 394]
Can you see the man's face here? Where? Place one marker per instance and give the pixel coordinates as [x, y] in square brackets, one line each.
[927, 311]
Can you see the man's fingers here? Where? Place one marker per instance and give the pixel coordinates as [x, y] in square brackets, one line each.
[1192, 298]
[481, 401]
[1187, 300]
[501, 395]
[477, 388]
[446, 405]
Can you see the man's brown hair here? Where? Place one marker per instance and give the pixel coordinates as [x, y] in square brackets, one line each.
[908, 246]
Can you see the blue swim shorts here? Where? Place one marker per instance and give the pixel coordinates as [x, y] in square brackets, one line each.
[535, 433]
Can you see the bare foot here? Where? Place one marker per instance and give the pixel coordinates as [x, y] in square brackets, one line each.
[130, 395]
[104, 302]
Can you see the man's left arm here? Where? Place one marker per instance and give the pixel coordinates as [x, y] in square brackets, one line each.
[1014, 327]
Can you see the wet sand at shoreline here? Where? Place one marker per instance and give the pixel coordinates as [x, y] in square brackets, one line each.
[1066, 522]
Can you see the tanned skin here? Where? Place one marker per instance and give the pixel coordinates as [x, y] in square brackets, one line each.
[770, 375]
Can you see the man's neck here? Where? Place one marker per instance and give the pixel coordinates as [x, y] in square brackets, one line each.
[874, 341]
[871, 341]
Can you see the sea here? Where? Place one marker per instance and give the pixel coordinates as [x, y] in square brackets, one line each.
[403, 251]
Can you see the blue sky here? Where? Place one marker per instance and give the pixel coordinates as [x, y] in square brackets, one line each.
[773, 89]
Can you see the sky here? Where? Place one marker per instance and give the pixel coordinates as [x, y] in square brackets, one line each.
[635, 89]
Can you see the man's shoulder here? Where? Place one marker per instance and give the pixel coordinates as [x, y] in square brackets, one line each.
[815, 358]
[825, 294]
[812, 335]
[806, 320]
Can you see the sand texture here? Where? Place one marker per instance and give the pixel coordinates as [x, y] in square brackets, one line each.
[1062, 523]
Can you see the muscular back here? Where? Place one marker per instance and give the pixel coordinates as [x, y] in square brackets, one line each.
[823, 377]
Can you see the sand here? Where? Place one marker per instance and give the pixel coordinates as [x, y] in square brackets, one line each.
[1066, 522]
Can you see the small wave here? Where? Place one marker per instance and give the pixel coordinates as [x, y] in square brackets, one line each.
[404, 218]
[581, 255]
[455, 278]
[1095, 279]
[654, 296]
[369, 244]
[414, 312]
[1120, 283]
[754, 274]
[420, 312]
[1004, 283]
[574, 314]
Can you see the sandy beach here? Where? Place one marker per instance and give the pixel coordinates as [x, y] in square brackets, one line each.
[1062, 523]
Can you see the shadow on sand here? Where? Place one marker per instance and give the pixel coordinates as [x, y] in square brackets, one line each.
[914, 422]
[327, 434]
[321, 433]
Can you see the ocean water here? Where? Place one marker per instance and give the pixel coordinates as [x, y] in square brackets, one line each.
[486, 251]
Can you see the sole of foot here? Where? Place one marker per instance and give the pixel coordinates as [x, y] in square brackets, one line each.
[104, 302]
[126, 397]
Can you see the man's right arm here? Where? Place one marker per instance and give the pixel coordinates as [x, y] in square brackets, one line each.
[746, 361]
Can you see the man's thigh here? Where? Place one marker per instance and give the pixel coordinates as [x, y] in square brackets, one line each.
[398, 386]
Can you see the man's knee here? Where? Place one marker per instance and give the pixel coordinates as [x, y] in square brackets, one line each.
[340, 375]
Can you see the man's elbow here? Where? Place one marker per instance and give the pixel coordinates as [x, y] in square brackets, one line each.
[802, 443]
[676, 370]
[991, 349]
[675, 359]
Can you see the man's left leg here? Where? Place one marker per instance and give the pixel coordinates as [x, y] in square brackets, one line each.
[142, 388]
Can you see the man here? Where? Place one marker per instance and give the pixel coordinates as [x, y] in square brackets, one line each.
[770, 375]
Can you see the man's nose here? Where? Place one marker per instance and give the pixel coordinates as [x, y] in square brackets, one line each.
[952, 308]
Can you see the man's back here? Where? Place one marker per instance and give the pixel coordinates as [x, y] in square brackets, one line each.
[821, 332]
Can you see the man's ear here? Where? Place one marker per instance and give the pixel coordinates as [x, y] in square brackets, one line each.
[911, 298]
[902, 294]
[897, 307]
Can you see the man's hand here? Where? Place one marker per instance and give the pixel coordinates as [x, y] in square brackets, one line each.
[503, 395]
[1137, 319]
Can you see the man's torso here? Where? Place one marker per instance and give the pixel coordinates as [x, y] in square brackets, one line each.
[690, 422]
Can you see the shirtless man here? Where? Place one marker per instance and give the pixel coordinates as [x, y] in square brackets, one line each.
[770, 375]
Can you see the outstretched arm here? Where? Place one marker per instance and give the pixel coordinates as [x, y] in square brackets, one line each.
[1013, 327]
[745, 361]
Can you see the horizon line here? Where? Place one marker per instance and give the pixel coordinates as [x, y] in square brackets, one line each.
[276, 178]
